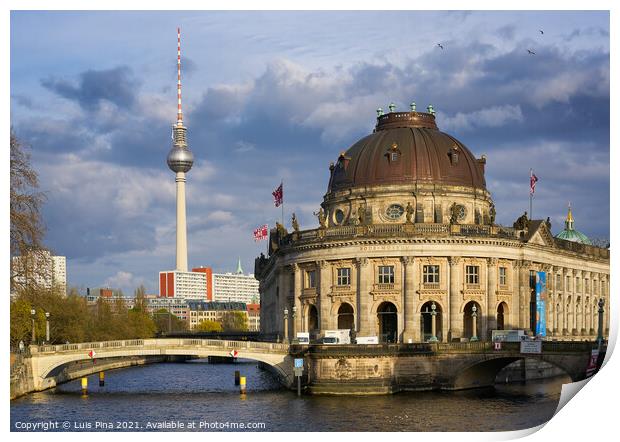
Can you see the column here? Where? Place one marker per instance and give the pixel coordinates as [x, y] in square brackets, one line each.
[363, 297]
[325, 283]
[280, 303]
[409, 310]
[524, 295]
[515, 306]
[299, 317]
[491, 315]
[456, 319]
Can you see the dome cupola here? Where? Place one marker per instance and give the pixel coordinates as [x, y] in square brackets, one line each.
[569, 233]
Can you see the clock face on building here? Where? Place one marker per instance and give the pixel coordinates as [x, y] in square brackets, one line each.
[395, 211]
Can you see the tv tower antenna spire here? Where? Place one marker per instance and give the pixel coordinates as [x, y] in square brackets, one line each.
[180, 110]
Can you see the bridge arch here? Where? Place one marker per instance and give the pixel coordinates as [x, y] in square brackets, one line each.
[483, 371]
[48, 361]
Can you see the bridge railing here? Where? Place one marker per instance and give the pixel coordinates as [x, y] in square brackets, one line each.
[232, 345]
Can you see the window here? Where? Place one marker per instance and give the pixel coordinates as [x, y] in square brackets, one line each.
[558, 282]
[344, 276]
[502, 276]
[430, 274]
[587, 283]
[339, 216]
[578, 284]
[386, 274]
[395, 211]
[472, 275]
[568, 284]
[394, 156]
[311, 279]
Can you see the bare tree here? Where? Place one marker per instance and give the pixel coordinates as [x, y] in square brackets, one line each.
[27, 228]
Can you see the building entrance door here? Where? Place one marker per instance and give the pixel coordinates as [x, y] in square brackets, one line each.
[345, 317]
[388, 322]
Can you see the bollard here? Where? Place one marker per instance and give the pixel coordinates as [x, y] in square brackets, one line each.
[84, 386]
[237, 376]
[101, 378]
[242, 385]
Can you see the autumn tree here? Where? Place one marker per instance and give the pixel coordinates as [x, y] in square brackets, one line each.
[235, 321]
[27, 228]
[208, 326]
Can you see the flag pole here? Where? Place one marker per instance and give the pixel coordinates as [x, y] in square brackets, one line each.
[531, 194]
[282, 187]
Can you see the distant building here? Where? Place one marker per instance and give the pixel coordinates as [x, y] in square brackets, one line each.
[253, 317]
[42, 268]
[183, 285]
[235, 287]
[212, 311]
[209, 280]
[178, 307]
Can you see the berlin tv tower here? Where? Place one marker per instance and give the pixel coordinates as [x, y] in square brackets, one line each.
[180, 160]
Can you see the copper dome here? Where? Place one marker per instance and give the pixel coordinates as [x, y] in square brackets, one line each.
[407, 148]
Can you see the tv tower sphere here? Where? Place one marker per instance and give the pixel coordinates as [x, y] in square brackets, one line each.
[180, 159]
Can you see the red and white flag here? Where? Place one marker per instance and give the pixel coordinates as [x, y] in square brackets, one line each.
[278, 196]
[234, 353]
[260, 233]
[533, 180]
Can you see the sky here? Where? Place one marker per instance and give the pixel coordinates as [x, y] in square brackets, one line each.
[271, 96]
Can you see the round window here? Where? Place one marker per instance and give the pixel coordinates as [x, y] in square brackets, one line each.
[339, 216]
[460, 210]
[395, 211]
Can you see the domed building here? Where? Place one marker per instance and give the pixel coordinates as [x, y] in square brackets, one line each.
[407, 250]
[569, 233]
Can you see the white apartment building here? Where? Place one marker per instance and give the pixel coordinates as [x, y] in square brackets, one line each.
[235, 287]
[47, 270]
[183, 285]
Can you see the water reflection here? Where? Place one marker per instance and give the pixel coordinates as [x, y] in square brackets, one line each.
[196, 391]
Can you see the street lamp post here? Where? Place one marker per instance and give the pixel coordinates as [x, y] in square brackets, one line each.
[294, 324]
[34, 335]
[601, 311]
[285, 325]
[474, 315]
[433, 323]
[47, 327]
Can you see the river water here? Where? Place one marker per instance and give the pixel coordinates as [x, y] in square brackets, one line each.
[197, 396]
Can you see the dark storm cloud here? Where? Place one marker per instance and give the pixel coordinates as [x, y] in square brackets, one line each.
[117, 86]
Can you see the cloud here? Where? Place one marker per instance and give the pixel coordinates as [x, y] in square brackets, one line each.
[495, 116]
[125, 281]
[94, 88]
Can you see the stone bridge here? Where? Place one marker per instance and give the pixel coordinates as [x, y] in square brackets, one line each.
[381, 369]
[50, 365]
[329, 369]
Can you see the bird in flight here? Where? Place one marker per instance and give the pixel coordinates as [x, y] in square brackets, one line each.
[439, 44]
[541, 31]
[531, 52]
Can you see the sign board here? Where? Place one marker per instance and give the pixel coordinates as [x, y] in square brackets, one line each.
[234, 353]
[299, 363]
[541, 299]
[506, 335]
[303, 337]
[592, 363]
[298, 371]
[92, 354]
[531, 347]
[497, 345]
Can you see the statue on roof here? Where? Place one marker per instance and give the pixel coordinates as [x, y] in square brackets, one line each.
[522, 222]
[361, 215]
[492, 214]
[454, 213]
[409, 212]
[322, 218]
[295, 223]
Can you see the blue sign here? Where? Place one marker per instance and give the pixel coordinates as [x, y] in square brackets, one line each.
[299, 363]
[541, 300]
